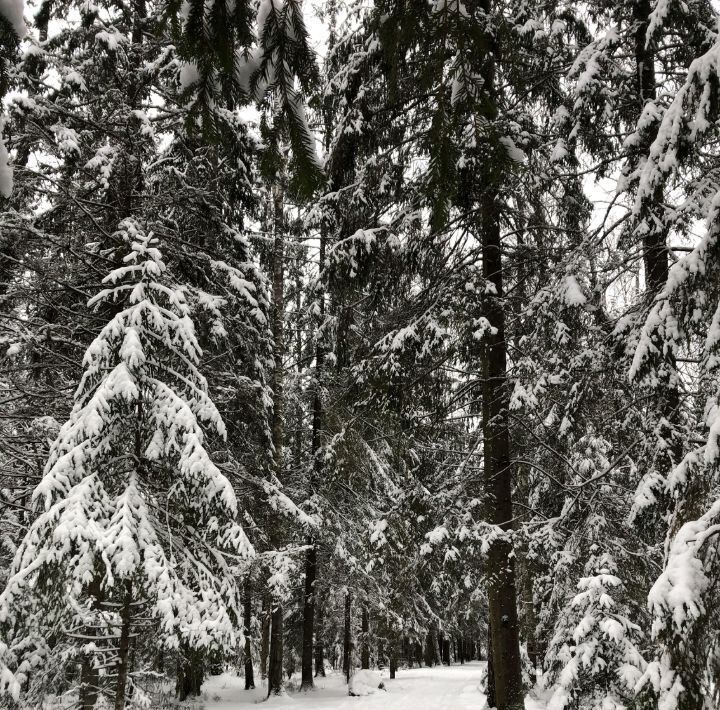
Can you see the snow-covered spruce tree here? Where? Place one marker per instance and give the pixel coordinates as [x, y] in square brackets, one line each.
[597, 644]
[138, 528]
[580, 433]
[630, 62]
[682, 326]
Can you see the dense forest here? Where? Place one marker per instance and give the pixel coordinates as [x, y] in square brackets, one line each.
[357, 335]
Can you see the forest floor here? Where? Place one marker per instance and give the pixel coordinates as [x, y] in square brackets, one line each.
[458, 687]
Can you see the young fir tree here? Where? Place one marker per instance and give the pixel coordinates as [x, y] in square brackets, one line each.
[597, 647]
[138, 526]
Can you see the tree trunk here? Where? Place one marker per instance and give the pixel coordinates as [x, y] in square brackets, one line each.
[365, 648]
[123, 648]
[347, 656]
[311, 555]
[490, 686]
[309, 615]
[655, 253]
[264, 640]
[275, 674]
[429, 650]
[247, 620]
[319, 646]
[393, 659]
[275, 671]
[502, 602]
[189, 674]
[498, 472]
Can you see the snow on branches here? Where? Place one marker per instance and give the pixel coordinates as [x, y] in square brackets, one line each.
[135, 511]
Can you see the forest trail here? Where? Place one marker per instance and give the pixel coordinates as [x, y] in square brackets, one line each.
[457, 687]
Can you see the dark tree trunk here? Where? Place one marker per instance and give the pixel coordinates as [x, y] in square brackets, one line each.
[490, 688]
[393, 660]
[182, 680]
[309, 616]
[275, 672]
[429, 650]
[502, 602]
[247, 620]
[655, 252]
[264, 639]
[311, 555]
[319, 645]
[498, 469]
[347, 640]
[278, 330]
[365, 648]
[190, 673]
[123, 648]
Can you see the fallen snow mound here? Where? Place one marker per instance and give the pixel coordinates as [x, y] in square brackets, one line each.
[365, 683]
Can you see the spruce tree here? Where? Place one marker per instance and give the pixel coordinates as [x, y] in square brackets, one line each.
[138, 521]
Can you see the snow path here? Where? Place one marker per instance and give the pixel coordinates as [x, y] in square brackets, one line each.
[440, 688]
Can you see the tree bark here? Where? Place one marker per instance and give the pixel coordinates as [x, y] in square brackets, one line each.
[247, 620]
[123, 648]
[365, 648]
[655, 251]
[275, 671]
[498, 471]
[655, 254]
[189, 674]
[490, 686]
[275, 674]
[311, 555]
[347, 654]
[309, 615]
[430, 650]
[265, 640]
[319, 645]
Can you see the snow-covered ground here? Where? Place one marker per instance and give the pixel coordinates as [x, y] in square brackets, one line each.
[440, 688]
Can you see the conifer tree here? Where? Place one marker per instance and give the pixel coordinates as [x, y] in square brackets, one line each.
[138, 520]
